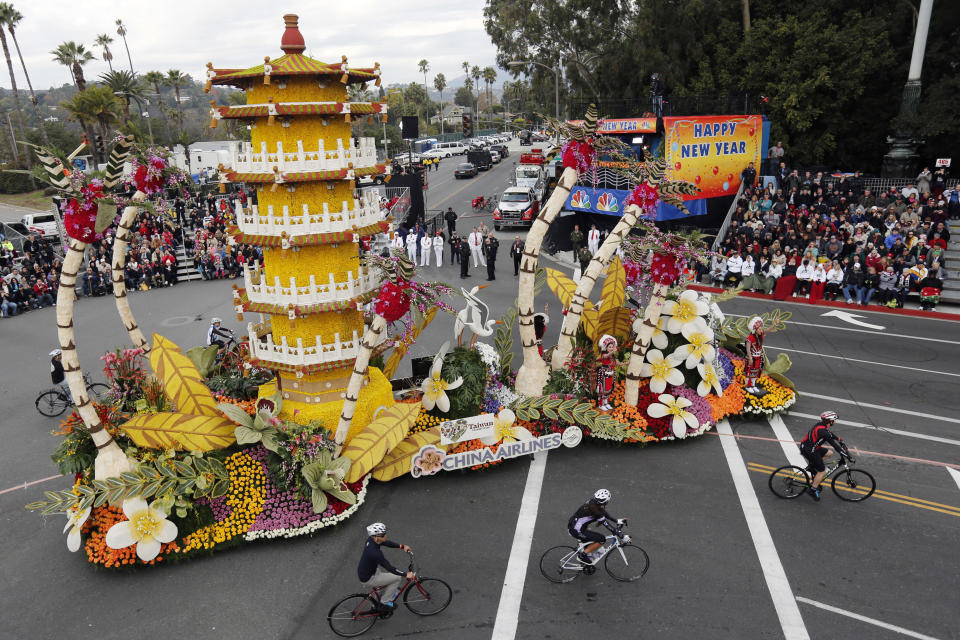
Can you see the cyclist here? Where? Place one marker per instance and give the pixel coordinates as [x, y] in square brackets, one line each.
[57, 374]
[375, 571]
[214, 332]
[592, 511]
[813, 450]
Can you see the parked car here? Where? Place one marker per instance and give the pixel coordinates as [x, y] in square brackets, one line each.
[436, 153]
[465, 170]
[406, 158]
[518, 206]
[502, 150]
[495, 157]
[452, 148]
[43, 225]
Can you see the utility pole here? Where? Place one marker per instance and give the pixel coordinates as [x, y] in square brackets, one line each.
[902, 159]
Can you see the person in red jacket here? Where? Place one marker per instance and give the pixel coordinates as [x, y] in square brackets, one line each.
[605, 371]
[754, 348]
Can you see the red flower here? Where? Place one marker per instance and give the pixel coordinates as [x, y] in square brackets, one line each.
[149, 179]
[644, 196]
[578, 155]
[79, 220]
[665, 268]
[392, 302]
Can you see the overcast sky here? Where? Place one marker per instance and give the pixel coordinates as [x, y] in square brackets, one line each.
[185, 35]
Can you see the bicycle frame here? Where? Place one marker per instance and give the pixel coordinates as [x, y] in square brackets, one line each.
[572, 563]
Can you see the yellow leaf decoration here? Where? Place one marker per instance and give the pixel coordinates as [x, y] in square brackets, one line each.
[618, 322]
[400, 349]
[368, 448]
[397, 462]
[181, 381]
[181, 431]
[563, 287]
[590, 321]
[614, 286]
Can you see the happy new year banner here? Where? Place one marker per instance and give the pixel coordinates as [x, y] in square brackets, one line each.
[711, 151]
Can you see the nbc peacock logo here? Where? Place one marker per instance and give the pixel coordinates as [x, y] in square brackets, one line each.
[580, 200]
[607, 202]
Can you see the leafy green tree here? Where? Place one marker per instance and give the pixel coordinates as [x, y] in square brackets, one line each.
[463, 97]
[124, 85]
[176, 80]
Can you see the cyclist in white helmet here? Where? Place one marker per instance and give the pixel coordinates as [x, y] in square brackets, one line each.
[592, 511]
[813, 450]
[57, 374]
[375, 571]
[215, 332]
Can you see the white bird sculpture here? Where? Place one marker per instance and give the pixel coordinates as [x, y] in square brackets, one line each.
[473, 316]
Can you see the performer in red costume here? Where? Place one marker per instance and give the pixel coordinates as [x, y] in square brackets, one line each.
[605, 371]
[754, 347]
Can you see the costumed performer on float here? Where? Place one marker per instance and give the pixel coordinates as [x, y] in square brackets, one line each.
[605, 371]
[754, 348]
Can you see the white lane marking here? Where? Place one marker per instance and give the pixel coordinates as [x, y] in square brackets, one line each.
[857, 616]
[955, 475]
[875, 333]
[864, 425]
[879, 407]
[846, 316]
[879, 364]
[791, 622]
[790, 449]
[508, 611]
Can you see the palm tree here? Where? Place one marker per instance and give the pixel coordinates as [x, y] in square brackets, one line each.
[124, 84]
[122, 32]
[6, 12]
[11, 22]
[94, 106]
[477, 74]
[466, 67]
[155, 79]
[176, 79]
[440, 83]
[104, 41]
[489, 77]
[424, 68]
[73, 56]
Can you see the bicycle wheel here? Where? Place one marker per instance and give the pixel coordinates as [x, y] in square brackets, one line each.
[51, 403]
[627, 563]
[428, 596]
[99, 391]
[353, 615]
[560, 564]
[789, 482]
[853, 485]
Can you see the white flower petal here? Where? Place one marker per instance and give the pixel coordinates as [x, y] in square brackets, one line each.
[703, 389]
[148, 549]
[646, 370]
[693, 359]
[674, 325]
[166, 532]
[443, 402]
[456, 383]
[133, 506]
[73, 539]
[654, 355]
[683, 403]
[522, 434]
[669, 307]
[429, 400]
[709, 353]
[507, 416]
[490, 440]
[690, 419]
[701, 308]
[120, 535]
[656, 410]
[679, 427]
[658, 385]
[660, 340]
[666, 398]
[674, 377]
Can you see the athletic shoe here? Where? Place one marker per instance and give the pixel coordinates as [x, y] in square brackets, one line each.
[815, 493]
[584, 558]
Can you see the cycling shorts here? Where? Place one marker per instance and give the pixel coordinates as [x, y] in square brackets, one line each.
[815, 458]
[587, 535]
[219, 343]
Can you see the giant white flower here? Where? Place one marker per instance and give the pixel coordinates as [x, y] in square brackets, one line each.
[709, 380]
[676, 407]
[435, 387]
[698, 347]
[75, 520]
[505, 429]
[684, 309]
[145, 526]
[661, 370]
[659, 338]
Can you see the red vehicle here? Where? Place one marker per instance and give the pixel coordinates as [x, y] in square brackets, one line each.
[518, 207]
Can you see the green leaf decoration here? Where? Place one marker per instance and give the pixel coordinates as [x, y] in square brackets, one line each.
[325, 475]
[203, 358]
[582, 414]
[781, 365]
[258, 430]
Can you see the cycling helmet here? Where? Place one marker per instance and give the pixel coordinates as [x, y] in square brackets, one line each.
[377, 529]
[602, 496]
[56, 352]
[829, 415]
[215, 320]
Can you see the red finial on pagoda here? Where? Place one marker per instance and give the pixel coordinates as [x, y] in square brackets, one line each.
[292, 40]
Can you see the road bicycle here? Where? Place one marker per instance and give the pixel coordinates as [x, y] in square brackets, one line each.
[356, 613]
[53, 402]
[480, 203]
[624, 562]
[850, 484]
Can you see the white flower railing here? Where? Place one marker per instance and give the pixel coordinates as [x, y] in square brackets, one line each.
[244, 159]
[303, 294]
[364, 212]
[301, 354]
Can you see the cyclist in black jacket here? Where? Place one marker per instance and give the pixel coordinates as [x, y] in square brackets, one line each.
[375, 571]
[590, 512]
[813, 450]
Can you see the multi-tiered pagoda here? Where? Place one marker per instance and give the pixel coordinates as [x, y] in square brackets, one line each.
[311, 285]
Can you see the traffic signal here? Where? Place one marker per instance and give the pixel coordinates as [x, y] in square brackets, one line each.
[467, 125]
[98, 145]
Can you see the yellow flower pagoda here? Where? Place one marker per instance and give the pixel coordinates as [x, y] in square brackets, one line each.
[312, 285]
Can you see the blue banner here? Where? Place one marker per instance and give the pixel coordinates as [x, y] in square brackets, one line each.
[610, 202]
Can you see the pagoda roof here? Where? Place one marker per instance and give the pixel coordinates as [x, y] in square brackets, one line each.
[308, 239]
[307, 176]
[243, 300]
[294, 64]
[301, 109]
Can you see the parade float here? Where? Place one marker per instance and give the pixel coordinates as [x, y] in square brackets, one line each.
[194, 452]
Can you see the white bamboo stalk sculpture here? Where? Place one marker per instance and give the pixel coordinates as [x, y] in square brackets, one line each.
[118, 265]
[651, 316]
[371, 337]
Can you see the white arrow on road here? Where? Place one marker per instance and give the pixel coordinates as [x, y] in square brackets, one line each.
[846, 316]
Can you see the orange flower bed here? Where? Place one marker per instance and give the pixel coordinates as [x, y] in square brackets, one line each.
[629, 414]
[471, 445]
[730, 403]
[97, 525]
[249, 406]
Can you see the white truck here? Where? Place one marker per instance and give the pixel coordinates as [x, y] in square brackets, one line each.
[529, 173]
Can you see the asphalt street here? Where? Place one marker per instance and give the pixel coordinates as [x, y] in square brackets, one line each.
[728, 558]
